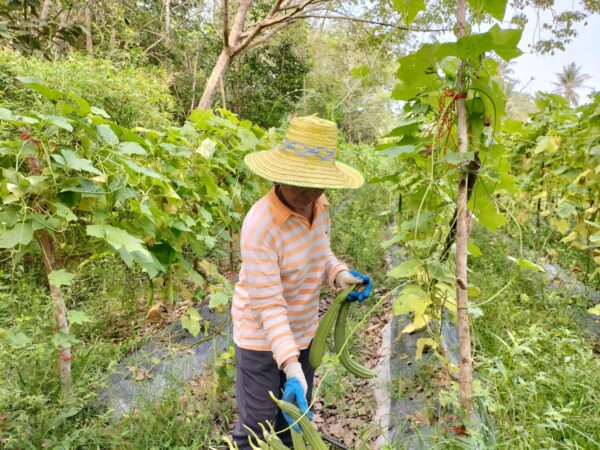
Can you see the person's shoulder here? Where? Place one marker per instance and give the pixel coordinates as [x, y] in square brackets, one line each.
[260, 211]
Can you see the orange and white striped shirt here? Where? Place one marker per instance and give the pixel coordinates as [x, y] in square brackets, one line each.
[285, 261]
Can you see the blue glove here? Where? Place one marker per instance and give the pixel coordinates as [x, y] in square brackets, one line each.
[293, 392]
[362, 295]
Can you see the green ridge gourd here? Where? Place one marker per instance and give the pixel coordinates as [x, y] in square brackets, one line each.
[339, 338]
[308, 431]
[298, 440]
[317, 348]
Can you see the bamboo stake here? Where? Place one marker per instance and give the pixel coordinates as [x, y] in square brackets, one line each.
[463, 220]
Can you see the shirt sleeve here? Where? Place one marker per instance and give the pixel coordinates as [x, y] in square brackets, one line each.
[333, 266]
[265, 296]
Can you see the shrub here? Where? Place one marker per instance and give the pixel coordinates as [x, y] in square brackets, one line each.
[133, 96]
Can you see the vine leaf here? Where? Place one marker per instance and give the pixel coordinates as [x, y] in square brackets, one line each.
[71, 160]
[595, 310]
[422, 343]
[18, 339]
[191, 321]
[412, 298]
[37, 85]
[526, 264]
[404, 270]
[495, 8]
[58, 278]
[20, 234]
[409, 9]
[64, 340]
[77, 317]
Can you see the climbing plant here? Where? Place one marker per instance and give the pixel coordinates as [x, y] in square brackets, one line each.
[159, 199]
[556, 157]
[450, 158]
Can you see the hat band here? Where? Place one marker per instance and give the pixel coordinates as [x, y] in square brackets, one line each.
[307, 151]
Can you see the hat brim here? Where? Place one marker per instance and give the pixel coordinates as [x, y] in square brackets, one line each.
[285, 167]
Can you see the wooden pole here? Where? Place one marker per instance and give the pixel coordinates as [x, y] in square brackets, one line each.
[60, 313]
[463, 221]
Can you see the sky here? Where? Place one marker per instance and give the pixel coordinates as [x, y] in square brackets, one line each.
[536, 72]
[584, 51]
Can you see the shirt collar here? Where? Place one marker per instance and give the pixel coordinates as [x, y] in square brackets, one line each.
[281, 212]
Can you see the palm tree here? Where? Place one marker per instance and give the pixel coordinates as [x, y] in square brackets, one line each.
[569, 80]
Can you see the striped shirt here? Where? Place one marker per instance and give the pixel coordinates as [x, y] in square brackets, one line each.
[285, 261]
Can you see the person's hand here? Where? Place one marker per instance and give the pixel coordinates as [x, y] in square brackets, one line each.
[294, 391]
[346, 279]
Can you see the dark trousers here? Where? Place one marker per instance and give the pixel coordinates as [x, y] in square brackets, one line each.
[257, 374]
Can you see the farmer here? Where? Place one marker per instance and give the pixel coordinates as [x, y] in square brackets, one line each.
[286, 258]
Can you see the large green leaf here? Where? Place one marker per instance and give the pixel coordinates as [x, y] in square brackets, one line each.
[107, 134]
[405, 269]
[408, 9]
[59, 121]
[20, 234]
[77, 317]
[58, 278]
[191, 321]
[72, 161]
[526, 264]
[120, 240]
[18, 340]
[495, 8]
[38, 85]
[144, 170]
[503, 42]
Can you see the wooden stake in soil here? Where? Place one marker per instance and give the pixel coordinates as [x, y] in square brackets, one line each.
[462, 231]
[60, 313]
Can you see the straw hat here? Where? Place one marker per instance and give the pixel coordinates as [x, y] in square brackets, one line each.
[306, 158]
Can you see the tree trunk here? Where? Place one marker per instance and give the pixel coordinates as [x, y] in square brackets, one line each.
[45, 10]
[60, 314]
[462, 232]
[89, 44]
[167, 23]
[210, 90]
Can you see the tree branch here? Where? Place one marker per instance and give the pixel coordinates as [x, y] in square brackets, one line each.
[374, 22]
[225, 23]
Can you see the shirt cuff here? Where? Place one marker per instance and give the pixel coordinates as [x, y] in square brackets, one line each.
[337, 268]
[285, 352]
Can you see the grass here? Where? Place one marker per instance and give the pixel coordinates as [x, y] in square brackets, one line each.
[539, 370]
[32, 414]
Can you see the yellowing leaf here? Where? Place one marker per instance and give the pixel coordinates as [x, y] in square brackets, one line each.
[561, 225]
[411, 298]
[595, 310]
[154, 312]
[422, 343]
[569, 238]
[419, 322]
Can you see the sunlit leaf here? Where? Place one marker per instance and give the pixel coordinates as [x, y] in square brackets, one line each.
[526, 264]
